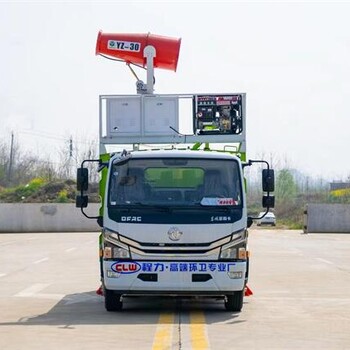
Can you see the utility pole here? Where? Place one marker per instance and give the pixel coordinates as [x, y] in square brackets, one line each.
[70, 157]
[11, 159]
[70, 147]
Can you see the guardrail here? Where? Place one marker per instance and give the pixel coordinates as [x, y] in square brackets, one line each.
[46, 217]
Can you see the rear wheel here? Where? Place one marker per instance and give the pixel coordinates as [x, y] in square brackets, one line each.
[234, 302]
[112, 300]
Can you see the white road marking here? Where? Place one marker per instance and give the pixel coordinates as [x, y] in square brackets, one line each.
[48, 296]
[275, 292]
[33, 292]
[7, 243]
[308, 299]
[30, 291]
[70, 250]
[3, 274]
[325, 261]
[297, 251]
[284, 252]
[80, 298]
[40, 260]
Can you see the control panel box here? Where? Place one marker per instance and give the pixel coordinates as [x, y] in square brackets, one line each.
[141, 116]
[123, 116]
[218, 114]
[160, 115]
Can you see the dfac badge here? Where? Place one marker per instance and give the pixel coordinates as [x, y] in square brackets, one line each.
[174, 233]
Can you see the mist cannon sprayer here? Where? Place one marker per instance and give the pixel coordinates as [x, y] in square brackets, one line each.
[144, 50]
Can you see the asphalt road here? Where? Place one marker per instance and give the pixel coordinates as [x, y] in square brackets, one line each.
[301, 300]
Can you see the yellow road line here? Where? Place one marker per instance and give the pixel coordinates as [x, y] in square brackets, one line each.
[164, 333]
[199, 338]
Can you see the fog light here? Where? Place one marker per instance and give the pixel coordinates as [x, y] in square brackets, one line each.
[235, 274]
[112, 274]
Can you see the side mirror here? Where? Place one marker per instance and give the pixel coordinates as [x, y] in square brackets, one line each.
[82, 179]
[268, 180]
[268, 202]
[249, 221]
[81, 201]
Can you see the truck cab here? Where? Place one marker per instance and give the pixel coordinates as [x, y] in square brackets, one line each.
[175, 222]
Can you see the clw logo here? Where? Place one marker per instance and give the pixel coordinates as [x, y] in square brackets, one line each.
[126, 267]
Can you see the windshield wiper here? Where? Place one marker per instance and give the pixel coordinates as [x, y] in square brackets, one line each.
[145, 205]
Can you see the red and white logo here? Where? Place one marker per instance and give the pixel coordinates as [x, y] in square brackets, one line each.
[126, 267]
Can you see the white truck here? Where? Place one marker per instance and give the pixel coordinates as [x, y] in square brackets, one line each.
[173, 212]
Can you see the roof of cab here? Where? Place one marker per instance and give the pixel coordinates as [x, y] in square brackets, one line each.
[182, 154]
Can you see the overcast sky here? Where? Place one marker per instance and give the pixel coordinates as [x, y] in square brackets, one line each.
[291, 58]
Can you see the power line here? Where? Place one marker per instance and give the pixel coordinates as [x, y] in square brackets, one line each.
[50, 136]
[45, 135]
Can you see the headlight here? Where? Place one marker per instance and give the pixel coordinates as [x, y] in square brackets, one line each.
[233, 252]
[228, 253]
[113, 247]
[119, 252]
[236, 248]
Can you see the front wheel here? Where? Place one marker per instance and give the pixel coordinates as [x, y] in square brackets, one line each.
[234, 302]
[112, 300]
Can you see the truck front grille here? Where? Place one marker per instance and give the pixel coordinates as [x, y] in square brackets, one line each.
[175, 249]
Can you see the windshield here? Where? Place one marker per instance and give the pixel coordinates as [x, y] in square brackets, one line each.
[175, 181]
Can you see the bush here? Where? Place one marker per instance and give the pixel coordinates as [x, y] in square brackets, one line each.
[62, 197]
[20, 193]
[38, 191]
[340, 196]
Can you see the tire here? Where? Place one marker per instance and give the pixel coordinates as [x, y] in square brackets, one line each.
[234, 302]
[112, 300]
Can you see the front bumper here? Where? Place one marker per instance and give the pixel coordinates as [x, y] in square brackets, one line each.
[174, 277]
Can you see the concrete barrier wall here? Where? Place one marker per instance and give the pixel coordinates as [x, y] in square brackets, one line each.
[37, 217]
[332, 218]
[61, 217]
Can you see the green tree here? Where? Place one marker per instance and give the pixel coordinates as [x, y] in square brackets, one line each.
[286, 187]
